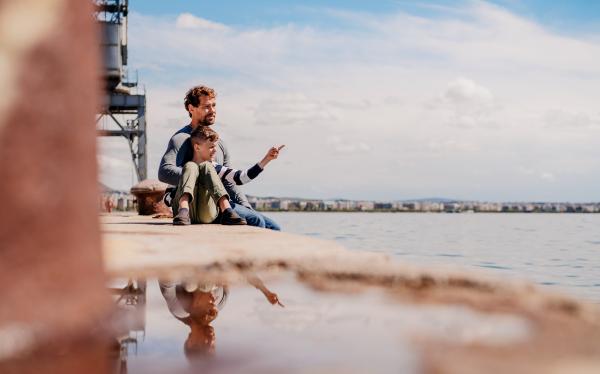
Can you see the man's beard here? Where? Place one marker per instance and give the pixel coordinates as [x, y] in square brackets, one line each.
[204, 318]
[206, 122]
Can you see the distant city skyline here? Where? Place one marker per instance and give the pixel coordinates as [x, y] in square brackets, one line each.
[490, 101]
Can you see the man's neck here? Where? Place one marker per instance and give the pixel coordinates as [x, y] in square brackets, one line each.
[196, 123]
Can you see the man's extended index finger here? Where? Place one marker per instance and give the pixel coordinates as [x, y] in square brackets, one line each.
[279, 149]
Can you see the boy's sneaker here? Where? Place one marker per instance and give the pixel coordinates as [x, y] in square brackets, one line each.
[182, 218]
[231, 218]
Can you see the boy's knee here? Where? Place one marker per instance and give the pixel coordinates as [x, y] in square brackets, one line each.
[206, 167]
[190, 166]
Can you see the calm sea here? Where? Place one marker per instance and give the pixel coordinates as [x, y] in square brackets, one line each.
[560, 251]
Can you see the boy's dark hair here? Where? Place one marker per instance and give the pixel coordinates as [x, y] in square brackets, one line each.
[203, 133]
[193, 96]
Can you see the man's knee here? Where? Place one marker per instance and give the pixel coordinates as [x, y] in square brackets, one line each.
[261, 221]
[255, 219]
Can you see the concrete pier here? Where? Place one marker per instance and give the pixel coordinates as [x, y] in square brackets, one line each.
[565, 336]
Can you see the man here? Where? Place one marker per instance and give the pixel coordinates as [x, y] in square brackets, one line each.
[200, 102]
[197, 305]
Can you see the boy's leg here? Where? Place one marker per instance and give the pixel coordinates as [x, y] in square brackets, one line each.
[187, 185]
[210, 192]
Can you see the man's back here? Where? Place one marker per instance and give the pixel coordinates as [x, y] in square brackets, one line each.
[180, 150]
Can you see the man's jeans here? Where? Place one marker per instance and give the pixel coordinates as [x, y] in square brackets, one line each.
[254, 218]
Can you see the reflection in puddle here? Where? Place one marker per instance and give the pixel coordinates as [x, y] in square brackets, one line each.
[185, 327]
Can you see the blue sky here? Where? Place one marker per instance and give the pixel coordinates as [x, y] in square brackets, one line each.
[566, 15]
[388, 100]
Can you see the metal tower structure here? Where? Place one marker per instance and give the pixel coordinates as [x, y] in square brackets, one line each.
[117, 99]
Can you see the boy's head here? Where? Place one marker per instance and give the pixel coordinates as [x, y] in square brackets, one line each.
[204, 142]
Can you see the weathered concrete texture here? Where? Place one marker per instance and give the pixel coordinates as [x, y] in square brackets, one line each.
[145, 246]
[567, 332]
[50, 261]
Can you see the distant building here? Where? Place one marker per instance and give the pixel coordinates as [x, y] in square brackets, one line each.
[412, 205]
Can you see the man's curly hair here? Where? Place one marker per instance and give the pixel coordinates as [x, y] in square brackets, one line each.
[193, 96]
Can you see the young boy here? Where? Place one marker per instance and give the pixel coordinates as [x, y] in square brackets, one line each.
[201, 193]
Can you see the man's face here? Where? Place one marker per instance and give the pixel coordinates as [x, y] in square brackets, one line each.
[204, 114]
[204, 307]
[200, 341]
[207, 150]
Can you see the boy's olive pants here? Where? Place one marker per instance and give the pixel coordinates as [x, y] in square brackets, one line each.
[206, 189]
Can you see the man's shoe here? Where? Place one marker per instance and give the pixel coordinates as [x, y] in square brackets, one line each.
[182, 218]
[231, 218]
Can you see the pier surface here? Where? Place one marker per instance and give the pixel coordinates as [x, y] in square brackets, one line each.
[140, 245]
[564, 333]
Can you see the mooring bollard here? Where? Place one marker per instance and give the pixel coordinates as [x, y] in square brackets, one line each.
[149, 194]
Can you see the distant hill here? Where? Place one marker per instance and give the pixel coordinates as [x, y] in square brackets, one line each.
[435, 200]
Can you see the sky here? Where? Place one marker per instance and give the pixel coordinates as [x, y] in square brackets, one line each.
[381, 100]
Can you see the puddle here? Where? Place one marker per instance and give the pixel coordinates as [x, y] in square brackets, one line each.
[313, 331]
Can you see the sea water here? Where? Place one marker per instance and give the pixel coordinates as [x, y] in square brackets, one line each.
[559, 251]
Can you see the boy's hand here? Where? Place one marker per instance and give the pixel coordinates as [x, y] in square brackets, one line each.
[271, 155]
[273, 299]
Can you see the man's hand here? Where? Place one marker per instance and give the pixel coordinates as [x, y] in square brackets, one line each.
[271, 155]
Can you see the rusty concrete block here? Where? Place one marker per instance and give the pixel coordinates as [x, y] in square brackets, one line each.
[50, 261]
[149, 194]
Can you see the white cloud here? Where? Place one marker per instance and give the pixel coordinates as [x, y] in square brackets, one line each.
[525, 171]
[364, 105]
[470, 105]
[465, 91]
[548, 177]
[336, 145]
[291, 109]
[403, 163]
[108, 164]
[190, 21]
[141, 65]
[559, 118]
[451, 145]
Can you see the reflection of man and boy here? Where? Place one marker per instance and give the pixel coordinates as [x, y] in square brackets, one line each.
[198, 305]
[197, 162]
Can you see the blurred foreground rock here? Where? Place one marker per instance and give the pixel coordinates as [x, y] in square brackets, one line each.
[50, 263]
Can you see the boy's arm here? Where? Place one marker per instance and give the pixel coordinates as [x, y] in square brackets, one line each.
[234, 191]
[239, 177]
